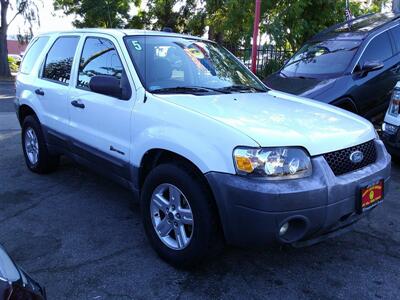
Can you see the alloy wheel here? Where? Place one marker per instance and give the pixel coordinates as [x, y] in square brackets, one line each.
[171, 216]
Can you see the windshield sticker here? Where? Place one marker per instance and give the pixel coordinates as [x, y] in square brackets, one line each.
[137, 45]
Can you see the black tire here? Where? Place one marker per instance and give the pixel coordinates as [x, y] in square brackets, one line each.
[206, 240]
[46, 162]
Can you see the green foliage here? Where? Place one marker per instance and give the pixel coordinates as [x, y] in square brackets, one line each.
[270, 67]
[292, 22]
[188, 18]
[98, 13]
[12, 63]
[289, 23]
[230, 21]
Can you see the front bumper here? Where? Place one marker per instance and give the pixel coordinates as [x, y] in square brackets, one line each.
[253, 210]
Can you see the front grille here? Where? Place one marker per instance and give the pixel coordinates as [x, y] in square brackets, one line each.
[340, 162]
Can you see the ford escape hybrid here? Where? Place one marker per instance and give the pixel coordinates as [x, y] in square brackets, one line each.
[211, 152]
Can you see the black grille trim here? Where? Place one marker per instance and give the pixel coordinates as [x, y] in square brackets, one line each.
[340, 162]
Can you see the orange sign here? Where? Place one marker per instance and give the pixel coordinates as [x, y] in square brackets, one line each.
[372, 194]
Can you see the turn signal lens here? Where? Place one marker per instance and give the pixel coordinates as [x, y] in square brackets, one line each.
[244, 164]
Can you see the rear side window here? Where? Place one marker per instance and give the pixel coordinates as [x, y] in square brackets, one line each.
[33, 52]
[379, 49]
[396, 37]
[99, 57]
[59, 60]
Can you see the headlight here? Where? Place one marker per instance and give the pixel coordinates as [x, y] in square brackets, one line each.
[272, 163]
[394, 108]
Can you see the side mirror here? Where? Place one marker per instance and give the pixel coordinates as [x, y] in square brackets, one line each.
[106, 85]
[111, 86]
[370, 66]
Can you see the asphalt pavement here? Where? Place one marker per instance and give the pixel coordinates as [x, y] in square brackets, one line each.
[81, 237]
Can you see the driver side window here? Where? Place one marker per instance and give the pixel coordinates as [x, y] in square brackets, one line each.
[379, 49]
[99, 57]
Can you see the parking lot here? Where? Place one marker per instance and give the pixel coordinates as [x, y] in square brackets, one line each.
[81, 237]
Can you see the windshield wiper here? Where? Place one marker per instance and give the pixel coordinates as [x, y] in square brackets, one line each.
[184, 90]
[238, 88]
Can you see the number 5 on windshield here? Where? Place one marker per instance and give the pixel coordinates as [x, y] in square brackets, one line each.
[137, 45]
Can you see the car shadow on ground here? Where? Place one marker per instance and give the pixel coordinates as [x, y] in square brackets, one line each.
[81, 236]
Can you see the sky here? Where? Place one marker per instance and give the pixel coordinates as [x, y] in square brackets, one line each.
[49, 20]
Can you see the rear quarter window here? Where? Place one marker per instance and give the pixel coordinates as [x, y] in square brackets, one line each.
[32, 54]
[396, 37]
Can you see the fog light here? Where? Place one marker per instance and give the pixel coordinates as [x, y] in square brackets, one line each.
[283, 229]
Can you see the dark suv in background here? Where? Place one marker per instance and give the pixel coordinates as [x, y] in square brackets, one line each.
[354, 65]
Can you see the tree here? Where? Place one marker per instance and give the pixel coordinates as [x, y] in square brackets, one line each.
[230, 21]
[98, 13]
[292, 22]
[26, 8]
[184, 17]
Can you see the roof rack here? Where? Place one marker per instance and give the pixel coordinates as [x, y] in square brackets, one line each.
[336, 26]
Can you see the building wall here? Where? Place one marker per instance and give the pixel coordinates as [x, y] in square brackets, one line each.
[14, 47]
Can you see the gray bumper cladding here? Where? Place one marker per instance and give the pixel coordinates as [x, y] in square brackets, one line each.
[253, 210]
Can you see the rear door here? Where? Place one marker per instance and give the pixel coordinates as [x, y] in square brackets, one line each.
[52, 86]
[100, 124]
[372, 91]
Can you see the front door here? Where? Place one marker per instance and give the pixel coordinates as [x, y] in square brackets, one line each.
[100, 124]
[373, 89]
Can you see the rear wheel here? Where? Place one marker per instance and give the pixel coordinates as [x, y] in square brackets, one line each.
[37, 157]
[179, 215]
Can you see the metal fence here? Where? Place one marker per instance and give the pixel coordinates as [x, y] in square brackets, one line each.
[268, 59]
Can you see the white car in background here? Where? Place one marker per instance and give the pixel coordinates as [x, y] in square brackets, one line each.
[212, 154]
[391, 124]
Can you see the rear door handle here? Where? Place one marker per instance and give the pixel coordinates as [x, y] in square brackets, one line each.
[39, 92]
[78, 103]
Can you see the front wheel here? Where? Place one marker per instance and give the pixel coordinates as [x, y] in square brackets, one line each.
[179, 215]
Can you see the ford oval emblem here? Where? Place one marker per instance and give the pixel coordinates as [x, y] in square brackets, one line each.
[356, 157]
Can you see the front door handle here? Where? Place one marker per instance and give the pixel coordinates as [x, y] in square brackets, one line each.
[78, 103]
[39, 92]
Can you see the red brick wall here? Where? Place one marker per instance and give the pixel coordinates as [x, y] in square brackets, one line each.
[14, 47]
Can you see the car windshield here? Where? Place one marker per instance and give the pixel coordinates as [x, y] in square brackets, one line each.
[321, 58]
[168, 64]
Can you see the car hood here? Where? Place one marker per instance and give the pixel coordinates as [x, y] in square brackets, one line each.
[298, 86]
[279, 119]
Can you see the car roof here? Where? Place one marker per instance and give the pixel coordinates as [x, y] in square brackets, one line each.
[122, 32]
[358, 28]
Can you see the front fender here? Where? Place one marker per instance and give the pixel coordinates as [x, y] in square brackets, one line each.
[206, 142]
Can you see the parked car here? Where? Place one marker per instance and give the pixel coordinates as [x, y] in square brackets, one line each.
[391, 124]
[213, 155]
[15, 283]
[353, 65]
